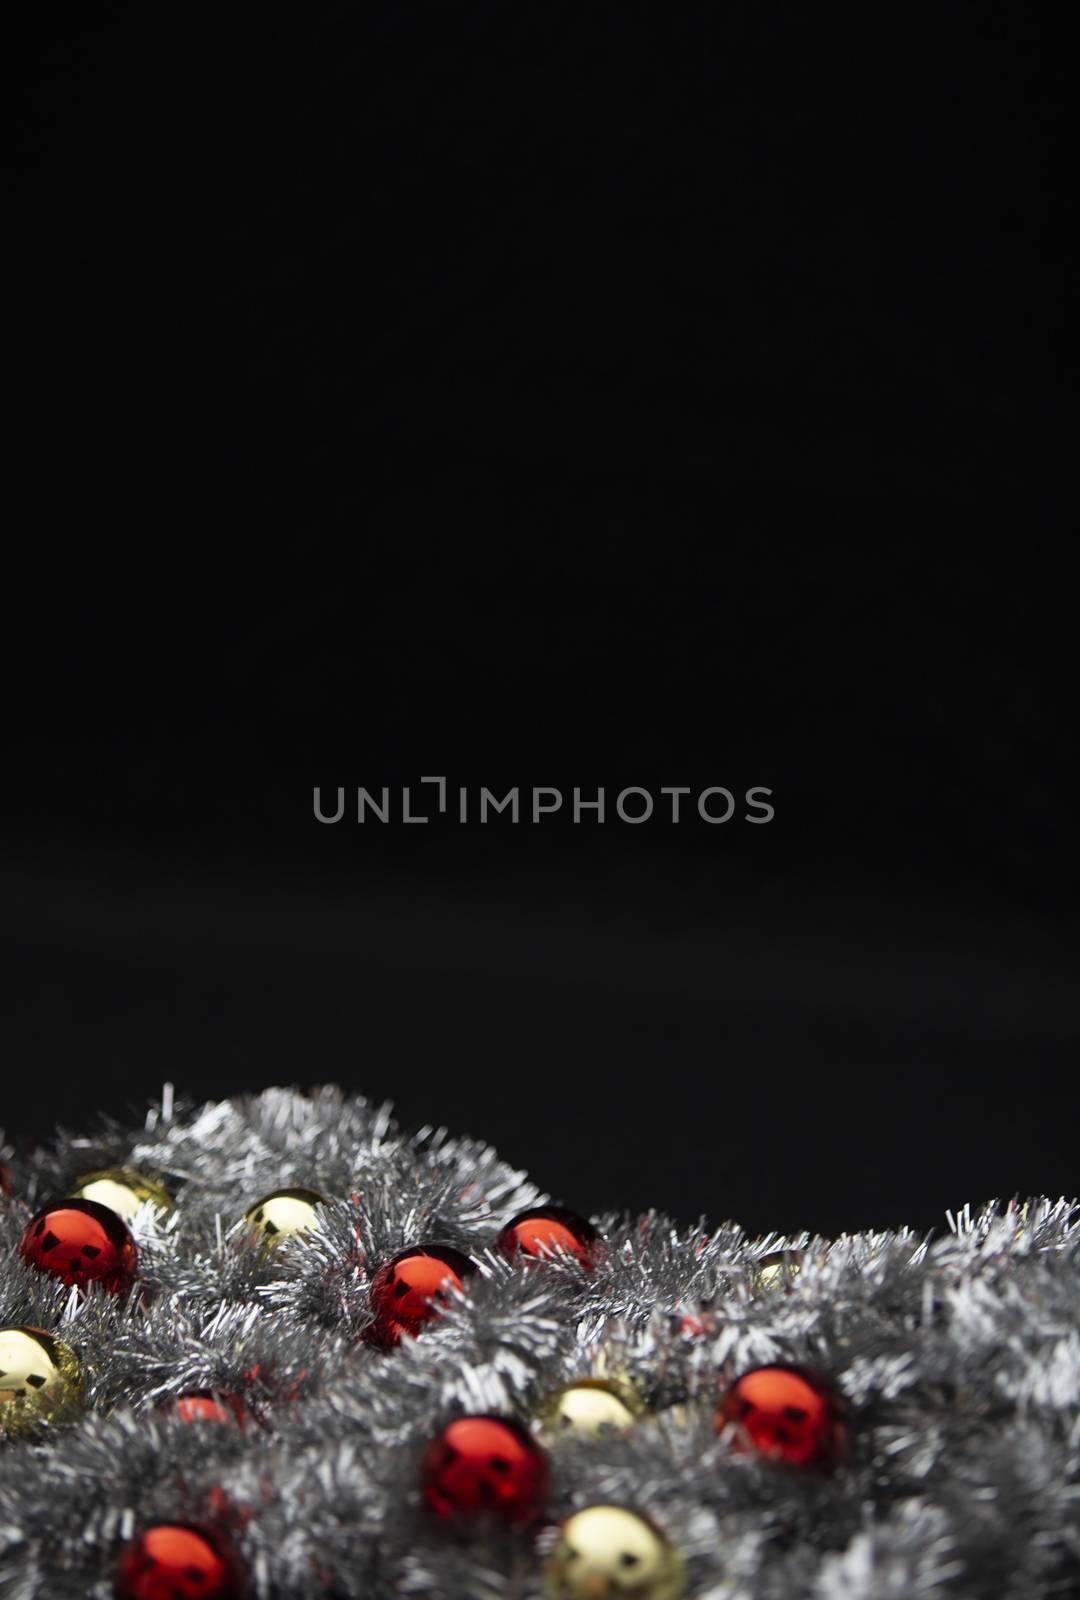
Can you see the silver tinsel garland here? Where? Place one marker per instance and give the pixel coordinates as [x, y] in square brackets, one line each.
[958, 1358]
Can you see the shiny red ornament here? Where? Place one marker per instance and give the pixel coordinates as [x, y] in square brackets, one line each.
[174, 1561]
[546, 1230]
[407, 1289]
[81, 1242]
[485, 1464]
[780, 1412]
[210, 1405]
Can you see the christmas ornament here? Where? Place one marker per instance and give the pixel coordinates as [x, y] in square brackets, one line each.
[407, 1289]
[210, 1405]
[123, 1190]
[695, 1324]
[589, 1406]
[39, 1377]
[485, 1464]
[175, 1561]
[781, 1412]
[547, 1230]
[283, 1212]
[777, 1269]
[81, 1242]
[610, 1551]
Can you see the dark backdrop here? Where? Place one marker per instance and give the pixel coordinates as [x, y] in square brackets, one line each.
[563, 395]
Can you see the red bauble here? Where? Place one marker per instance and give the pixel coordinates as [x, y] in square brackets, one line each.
[545, 1231]
[406, 1290]
[174, 1561]
[694, 1324]
[485, 1464]
[781, 1412]
[209, 1405]
[81, 1242]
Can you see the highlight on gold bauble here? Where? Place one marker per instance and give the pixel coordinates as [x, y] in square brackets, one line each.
[283, 1212]
[777, 1270]
[589, 1407]
[39, 1378]
[123, 1190]
[610, 1551]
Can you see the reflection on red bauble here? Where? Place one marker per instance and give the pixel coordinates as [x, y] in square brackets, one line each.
[81, 1242]
[174, 1561]
[407, 1289]
[485, 1464]
[547, 1230]
[210, 1405]
[780, 1412]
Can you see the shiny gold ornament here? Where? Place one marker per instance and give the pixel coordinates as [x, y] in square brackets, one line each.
[590, 1406]
[123, 1190]
[283, 1212]
[777, 1269]
[607, 1551]
[39, 1378]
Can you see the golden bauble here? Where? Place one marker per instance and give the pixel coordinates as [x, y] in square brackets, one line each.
[283, 1212]
[590, 1406]
[777, 1269]
[39, 1377]
[609, 1551]
[123, 1190]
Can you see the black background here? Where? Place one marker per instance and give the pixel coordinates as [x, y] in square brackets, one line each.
[595, 395]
